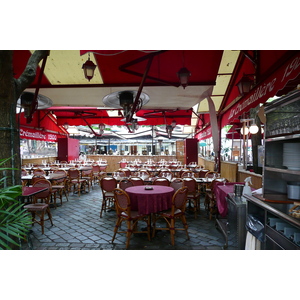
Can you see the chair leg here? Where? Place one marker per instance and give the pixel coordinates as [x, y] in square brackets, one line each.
[172, 231]
[103, 206]
[153, 225]
[183, 219]
[42, 220]
[128, 233]
[49, 215]
[149, 228]
[118, 223]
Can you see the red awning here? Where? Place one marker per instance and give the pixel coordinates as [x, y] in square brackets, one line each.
[267, 89]
[204, 134]
[42, 127]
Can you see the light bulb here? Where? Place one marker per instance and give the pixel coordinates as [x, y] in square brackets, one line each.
[253, 129]
[244, 132]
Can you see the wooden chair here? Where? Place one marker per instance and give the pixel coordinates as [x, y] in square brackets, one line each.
[124, 213]
[38, 210]
[177, 183]
[75, 181]
[161, 181]
[177, 211]
[107, 184]
[193, 193]
[136, 180]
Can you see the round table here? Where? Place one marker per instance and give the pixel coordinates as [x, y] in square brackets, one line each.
[150, 201]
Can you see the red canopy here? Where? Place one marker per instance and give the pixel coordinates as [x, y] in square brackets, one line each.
[88, 115]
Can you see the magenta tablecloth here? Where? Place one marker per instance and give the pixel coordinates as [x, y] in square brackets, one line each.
[150, 201]
[30, 190]
[221, 192]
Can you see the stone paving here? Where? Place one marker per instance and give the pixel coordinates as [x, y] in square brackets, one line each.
[78, 226]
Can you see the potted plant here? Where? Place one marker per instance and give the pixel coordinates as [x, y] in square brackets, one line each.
[14, 220]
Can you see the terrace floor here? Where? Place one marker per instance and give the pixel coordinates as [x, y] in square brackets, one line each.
[78, 226]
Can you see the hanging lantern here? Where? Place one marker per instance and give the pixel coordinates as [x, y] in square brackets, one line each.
[244, 85]
[88, 69]
[184, 75]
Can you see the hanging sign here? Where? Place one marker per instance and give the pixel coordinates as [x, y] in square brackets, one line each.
[204, 134]
[34, 134]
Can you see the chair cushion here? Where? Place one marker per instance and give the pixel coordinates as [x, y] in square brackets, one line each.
[109, 194]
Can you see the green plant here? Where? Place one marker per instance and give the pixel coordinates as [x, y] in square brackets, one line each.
[14, 220]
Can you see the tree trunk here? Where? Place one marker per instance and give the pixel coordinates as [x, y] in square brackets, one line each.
[9, 133]
[10, 91]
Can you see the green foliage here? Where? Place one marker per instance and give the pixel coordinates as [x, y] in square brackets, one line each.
[14, 220]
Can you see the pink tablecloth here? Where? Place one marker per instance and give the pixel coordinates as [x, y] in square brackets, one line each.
[150, 201]
[221, 192]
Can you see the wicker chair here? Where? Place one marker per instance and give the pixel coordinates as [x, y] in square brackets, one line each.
[126, 171]
[210, 199]
[161, 181]
[136, 180]
[125, 183]
[38, 171]
[75, 181]
[107, 184]
[187, 174]
[177, 183]
[88, 176]
[124, 213]
[60, 185]
[40, 209]
[166, 174]
[177, 211]
[193, 194]
[96, 173]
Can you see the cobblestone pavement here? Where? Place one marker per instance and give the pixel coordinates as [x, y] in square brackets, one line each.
[78, 226]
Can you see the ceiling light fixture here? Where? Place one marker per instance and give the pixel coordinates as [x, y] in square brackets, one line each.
[89, 69]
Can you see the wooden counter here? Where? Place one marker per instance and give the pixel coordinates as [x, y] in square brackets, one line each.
[113, 160]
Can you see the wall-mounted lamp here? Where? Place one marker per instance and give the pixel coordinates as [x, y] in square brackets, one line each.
[184, 75]
[244, 85]
[89, 69]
